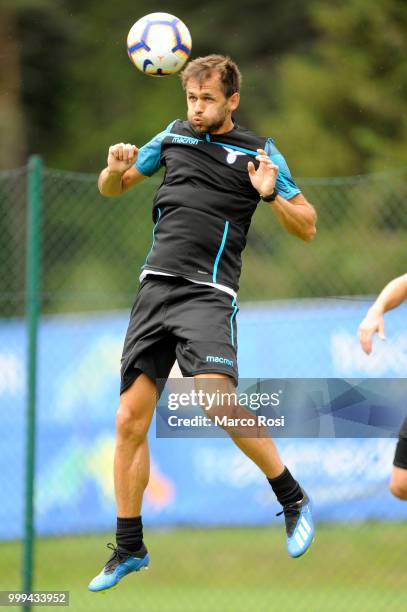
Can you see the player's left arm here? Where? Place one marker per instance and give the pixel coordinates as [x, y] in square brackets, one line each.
[296, 215]
[291, 208]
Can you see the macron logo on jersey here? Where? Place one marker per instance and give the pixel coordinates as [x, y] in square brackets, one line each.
[217, 359]
[184, 140]
[232, 155]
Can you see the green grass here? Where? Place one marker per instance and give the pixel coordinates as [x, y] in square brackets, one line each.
[349, 568]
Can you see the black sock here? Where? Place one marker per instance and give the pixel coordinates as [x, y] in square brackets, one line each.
[286, 488]
[129, 533]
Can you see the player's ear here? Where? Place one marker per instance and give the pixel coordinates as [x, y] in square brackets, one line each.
[234, 101]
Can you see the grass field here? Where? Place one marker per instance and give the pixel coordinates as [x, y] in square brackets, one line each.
[349, 568]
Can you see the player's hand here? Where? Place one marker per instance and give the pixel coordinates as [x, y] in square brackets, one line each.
[371, 324]
[264, 178]
[121, 157]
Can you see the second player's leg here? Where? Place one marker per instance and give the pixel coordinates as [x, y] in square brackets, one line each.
[398, 482]
[132, 462]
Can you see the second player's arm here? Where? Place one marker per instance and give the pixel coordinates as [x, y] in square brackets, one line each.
[296, 215]
[394, 293]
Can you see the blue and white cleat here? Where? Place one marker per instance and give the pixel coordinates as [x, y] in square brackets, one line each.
[299, 526]
[119, 565]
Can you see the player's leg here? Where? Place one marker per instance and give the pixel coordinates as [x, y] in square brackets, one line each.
[131, 461]
[131, 475]
[204, 320]
[148, 355]
[263, 452]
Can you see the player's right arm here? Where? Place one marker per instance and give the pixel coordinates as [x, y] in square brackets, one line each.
[127, 165]
[394, 293]
[120, 174]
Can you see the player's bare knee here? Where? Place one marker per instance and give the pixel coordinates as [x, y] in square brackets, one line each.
[131, 423]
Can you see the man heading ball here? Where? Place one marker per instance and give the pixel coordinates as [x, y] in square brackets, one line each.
[215, 174]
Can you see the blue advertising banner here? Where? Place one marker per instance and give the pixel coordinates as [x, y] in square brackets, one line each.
[193, 481]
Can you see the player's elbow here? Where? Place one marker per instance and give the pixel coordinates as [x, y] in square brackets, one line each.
[101, 191]
[309, 229]
[308, 234]
[108, 193]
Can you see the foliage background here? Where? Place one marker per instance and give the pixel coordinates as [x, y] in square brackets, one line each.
[326, 78]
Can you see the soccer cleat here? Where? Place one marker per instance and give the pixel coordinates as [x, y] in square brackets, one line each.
[299, 526]
[119, 565]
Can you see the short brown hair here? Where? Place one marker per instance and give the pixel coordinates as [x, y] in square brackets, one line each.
[202, 68]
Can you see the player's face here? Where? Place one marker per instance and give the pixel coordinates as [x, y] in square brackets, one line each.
[208, 108]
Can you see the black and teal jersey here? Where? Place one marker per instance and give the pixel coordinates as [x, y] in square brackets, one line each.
[204, 205]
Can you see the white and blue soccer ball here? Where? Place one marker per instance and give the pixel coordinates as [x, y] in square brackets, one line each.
[159, 44]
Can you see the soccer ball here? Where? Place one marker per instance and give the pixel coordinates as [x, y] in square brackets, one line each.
[159, 44]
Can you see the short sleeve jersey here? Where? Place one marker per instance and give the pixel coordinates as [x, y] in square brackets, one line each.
[204, 205]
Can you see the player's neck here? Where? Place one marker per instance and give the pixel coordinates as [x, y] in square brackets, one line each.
[227, 126]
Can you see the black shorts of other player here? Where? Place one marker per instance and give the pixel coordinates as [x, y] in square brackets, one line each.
[400, 457]
[173, 318]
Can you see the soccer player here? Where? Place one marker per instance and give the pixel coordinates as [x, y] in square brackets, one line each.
[394, 293]
[216, 172]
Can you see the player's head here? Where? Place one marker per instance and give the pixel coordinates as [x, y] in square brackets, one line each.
[212, 85]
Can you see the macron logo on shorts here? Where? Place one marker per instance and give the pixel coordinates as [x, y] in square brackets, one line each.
[217, 359]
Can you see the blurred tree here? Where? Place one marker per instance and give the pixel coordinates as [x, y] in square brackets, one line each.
[46, 32]
[326, 78]
[13, 149]
[324, 72]
[342, 107]
[32, 36]
[104, 99]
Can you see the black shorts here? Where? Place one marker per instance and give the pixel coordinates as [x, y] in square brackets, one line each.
[400, 456]
[173, 318]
